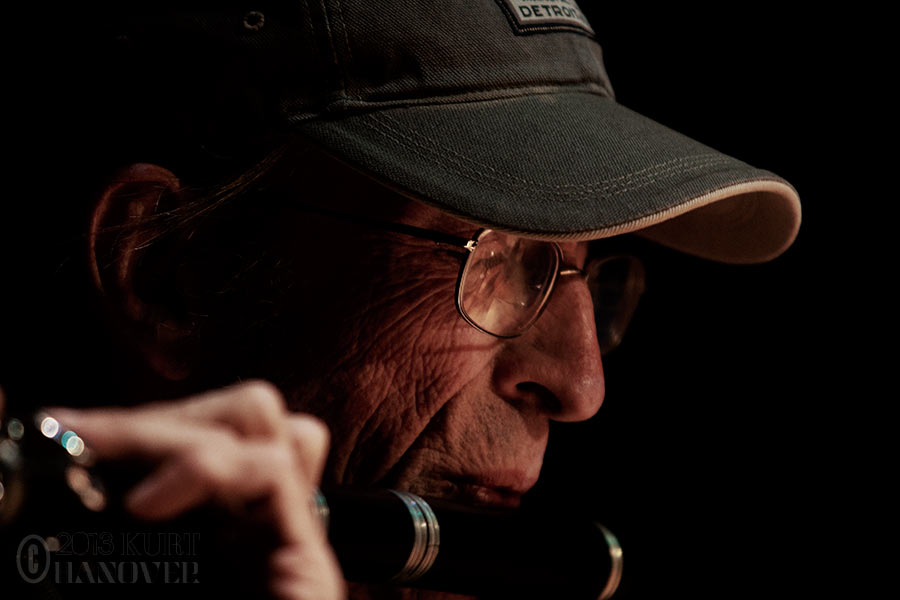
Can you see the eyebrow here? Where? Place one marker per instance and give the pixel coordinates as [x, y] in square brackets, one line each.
[411, 230]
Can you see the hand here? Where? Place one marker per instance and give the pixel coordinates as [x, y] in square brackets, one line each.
[235, 446]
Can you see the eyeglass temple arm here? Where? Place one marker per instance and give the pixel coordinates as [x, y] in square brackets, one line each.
[411, 230]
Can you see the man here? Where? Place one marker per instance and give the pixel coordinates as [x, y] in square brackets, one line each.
[249, 229]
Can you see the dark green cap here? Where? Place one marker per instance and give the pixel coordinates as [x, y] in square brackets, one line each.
[497, 111]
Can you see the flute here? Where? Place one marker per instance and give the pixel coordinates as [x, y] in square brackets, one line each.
[389, 536]
[378, 536]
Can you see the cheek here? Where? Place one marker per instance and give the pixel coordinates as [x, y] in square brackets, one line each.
[400, 357]
[407, 378]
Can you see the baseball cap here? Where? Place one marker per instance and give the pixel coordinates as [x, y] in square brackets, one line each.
[499, 112]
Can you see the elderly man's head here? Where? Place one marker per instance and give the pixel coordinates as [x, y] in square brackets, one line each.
[491, 115]
[392, 212]
[295, 280]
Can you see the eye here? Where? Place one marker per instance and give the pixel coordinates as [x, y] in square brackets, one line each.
[494, 260]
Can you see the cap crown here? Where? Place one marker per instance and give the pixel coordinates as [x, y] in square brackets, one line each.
[310, 58]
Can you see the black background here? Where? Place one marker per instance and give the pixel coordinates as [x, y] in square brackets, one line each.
[736, 408]
[729, 441]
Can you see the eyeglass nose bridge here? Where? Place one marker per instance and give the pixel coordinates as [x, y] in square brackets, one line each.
[572, 271]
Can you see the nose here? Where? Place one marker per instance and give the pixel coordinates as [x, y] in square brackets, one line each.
[556, 366]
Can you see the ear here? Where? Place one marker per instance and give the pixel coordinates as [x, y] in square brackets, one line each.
[120, 249]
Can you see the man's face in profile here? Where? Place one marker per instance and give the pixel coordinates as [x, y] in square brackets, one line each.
[358, 325]
[416, 398]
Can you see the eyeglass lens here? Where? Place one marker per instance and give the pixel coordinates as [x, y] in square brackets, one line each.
[616, 284]
[504, 285]
[506, 282]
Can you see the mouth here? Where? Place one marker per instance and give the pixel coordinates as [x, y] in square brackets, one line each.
[489, 486]
[495, 490]
[469, 490]
[480, 495]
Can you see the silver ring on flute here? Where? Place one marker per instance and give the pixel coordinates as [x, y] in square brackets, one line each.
[427, 538]
[615, 556]
[434, 539]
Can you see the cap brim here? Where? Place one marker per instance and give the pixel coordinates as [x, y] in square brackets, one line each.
[570, 166]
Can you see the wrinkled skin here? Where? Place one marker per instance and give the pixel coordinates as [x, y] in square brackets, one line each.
[418, 399]
[414, 397]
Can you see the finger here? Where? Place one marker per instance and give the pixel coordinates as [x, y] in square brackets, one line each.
[166, 493]
[230, 472]
[311, 440]
[122, 433]
[252, 409]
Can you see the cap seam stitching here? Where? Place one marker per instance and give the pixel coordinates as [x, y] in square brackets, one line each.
[580, 190]
[359, 104]
[587, 186]
[664, 174]
[581, 87]
[655, 173]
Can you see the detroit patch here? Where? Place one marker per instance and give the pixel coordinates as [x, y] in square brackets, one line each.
[535, 16]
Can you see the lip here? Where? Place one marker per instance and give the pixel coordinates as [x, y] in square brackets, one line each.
[497, 490]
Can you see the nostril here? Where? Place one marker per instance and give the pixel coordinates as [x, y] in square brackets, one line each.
[540, 397]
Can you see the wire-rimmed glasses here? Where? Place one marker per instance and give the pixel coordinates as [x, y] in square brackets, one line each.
[505, 281]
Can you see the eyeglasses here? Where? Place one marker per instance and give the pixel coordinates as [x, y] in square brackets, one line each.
[505, 281]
